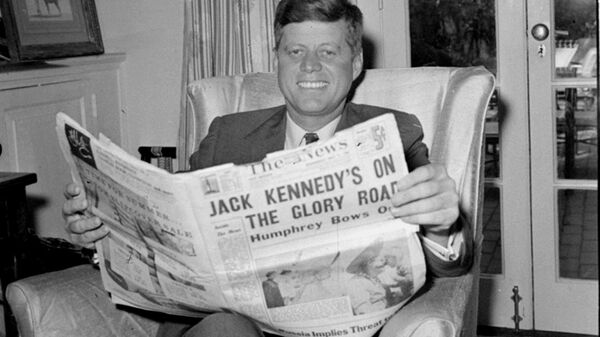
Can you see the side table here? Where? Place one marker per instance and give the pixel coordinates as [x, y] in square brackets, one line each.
[13, 225]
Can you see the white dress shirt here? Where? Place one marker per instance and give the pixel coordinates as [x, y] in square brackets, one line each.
[294, 137]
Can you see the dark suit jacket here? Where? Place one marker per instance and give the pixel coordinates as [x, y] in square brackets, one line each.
[247, 137]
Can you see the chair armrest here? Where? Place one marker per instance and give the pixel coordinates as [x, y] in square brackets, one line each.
[72, 303]
[439, 309]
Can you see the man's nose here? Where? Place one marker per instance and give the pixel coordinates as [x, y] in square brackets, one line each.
[311, 63]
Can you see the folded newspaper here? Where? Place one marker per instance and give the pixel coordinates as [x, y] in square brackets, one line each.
[302, 242]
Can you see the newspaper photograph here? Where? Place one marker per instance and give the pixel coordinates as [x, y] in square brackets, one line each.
[302, 242]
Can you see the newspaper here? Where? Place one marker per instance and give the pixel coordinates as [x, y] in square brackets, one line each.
[302, 242]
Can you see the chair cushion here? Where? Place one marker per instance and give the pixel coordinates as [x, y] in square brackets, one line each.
[72, 302]
[437, 310]
[435, 328]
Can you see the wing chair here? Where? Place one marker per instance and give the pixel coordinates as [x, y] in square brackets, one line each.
[451, 104]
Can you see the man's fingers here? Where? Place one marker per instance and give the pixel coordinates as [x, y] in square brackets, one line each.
[87, 239]
[439, 209]
[87, 231]
[72, 190]
[418, 175]
[74, 206]
[424, 190]
[436, 221]
[416, 192]
[83, 229]
[441, 201]
[83, 224]
[75, 203]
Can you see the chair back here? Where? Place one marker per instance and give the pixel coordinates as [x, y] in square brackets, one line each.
[450, 103]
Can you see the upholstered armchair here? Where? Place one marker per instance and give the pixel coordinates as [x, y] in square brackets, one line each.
[451, 104]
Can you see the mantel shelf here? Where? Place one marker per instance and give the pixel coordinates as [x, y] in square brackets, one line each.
[10, 74]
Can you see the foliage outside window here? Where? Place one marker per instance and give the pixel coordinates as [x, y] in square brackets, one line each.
[453, 33]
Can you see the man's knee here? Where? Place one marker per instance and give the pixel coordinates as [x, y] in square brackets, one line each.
[224, 325]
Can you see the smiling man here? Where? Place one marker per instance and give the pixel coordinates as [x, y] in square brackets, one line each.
[316, 67]
[318, 56]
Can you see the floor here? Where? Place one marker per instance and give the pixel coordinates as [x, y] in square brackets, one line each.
[498, 332]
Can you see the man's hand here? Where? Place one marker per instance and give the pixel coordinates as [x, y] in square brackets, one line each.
[83, 229]
[427, 196]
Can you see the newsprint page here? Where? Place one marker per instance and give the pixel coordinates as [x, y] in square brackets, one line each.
[302, 242]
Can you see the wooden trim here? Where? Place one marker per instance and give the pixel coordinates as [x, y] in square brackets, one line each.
[484, 331]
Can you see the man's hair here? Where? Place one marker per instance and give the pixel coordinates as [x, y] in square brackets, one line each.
[296, 11]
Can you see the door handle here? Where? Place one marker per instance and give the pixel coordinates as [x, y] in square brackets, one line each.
[540, 32]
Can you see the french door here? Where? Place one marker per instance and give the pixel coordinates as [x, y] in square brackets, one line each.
[563, 108]
[540, 249]
[506, 287]
[493, 34]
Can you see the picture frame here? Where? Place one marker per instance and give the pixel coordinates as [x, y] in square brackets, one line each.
[37, 30]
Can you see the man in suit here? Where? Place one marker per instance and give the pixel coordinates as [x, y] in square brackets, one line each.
[318, 56]
[271, 291]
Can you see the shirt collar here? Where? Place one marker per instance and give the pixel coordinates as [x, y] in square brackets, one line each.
[294, 133]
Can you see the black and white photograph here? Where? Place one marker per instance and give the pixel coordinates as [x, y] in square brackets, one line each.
[488, 226]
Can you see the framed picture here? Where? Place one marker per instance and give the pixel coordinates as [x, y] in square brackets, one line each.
[46, 29]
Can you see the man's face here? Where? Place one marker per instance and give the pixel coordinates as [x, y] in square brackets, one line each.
[375, 265]
[315, 69]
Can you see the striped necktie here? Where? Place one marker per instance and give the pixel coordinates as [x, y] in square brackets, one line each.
[311, 137]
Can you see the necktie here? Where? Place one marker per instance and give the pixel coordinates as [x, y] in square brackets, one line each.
[311, 137]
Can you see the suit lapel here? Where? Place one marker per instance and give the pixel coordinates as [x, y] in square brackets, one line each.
[268, 135]
[350, 117]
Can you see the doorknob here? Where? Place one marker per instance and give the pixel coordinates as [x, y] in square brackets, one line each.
[540, 32]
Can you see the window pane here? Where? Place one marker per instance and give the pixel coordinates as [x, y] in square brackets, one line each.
[578, 234]
[575, 36]
[577, 133]
[492, 139]
[491, 257]
[453, 33]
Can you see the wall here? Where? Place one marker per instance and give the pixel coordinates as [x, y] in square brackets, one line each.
[150, 32]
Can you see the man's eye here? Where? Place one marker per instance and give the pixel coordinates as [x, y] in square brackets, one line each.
[295, 52]
[328, 53]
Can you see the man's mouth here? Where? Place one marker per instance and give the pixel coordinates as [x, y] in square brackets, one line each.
[312, 84]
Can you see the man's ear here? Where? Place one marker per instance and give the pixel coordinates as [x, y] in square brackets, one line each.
[357, 65]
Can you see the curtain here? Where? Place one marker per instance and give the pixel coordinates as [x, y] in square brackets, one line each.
[222, 37]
